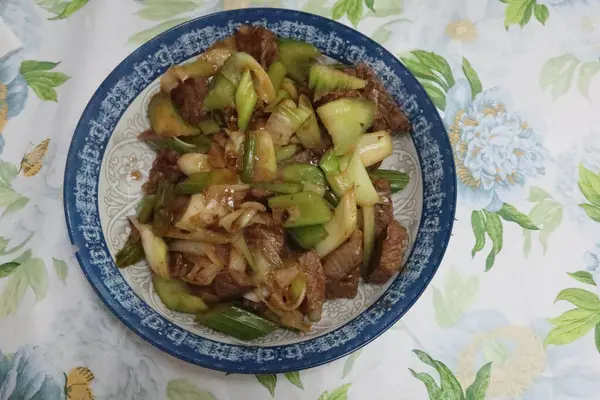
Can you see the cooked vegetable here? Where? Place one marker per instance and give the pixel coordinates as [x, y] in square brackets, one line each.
[146, 208]
[281, 96]
[297, 57]
[289, 86]
[341, 226]
[221, 94]
[192, 163]
[284, 122]
[301, 209]
[245, 100]
[239, 242]
[398, 180]
[160, 143]
[249, 157]
[282, 187]
[324, 79]
[200, 235]
[338, 180]
[236, 321]
[179, 73]
[309, 132]
[331, 198]
[192, 217]
[200, 143]
[131, 253]
[368, 217]
[308, 236]
[209, 126]
[302, 173]
[374, 147]
[366, 195]
[196, 183]
[235, 66]
[286, 152]
[346, 120]
[166, 120]
[161, 222]
[277, 72]
[265, 168]
[155, 249]
[176, 296]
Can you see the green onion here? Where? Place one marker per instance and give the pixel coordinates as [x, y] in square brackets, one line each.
[302, 209]
[196, 183]
[162, 211]
[286, 152]
[283, 187]
[308, 236]
[302, 173]
[131, 253]
[220, 95]
[145, 208]
[245, 100]
[397, 180]
[277, 72]
[236, 322]
[249, 157]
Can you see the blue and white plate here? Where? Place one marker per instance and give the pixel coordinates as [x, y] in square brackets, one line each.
[101, 190]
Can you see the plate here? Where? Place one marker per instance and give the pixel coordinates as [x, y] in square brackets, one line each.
[100, 191]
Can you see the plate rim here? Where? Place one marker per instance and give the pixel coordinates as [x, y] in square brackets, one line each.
[251, 366]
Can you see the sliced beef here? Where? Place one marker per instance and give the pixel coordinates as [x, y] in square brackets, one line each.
[389, 114]
[188, 97]
[257, 194]
[269, 239]
[384, 212]
[259, 42]
[178, 265]
[164, 169]
[346, 259]
[343, 289]
[315, 285]
[228, 285]
[388, 253]
[231, 119]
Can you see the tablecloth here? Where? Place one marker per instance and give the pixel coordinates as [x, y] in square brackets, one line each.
[512, 313]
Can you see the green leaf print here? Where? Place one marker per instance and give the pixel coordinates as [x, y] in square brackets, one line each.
[143, 36]
[518, 12]
[541, 13]
[349, 364]
[294, 379]
[592, 211]
[511, 214]
[13, 293]
[354, 11]
[8, 196]
[472, 77]
[8, 268]
[478, 225]
[43, 82]
[61, 268]
[547, 214]
[589, 184]
[449, 388]
[52, 6]
[37, 277]
[15, 206]
[72, 7]
[585, 74]
[8, 172]
[597, 337]
[370, 5]
[583, 277]
[479, 387]
[339, 9]
[384, 8]
[458, 296]
[269, 381]
[571, 326]
[580, 298]
[557, 74]
[158, 10]
[4, 244]
[181, 389]
[493, 227]
[340, 393]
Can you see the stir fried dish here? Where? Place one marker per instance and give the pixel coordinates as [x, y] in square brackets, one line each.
[266, 197]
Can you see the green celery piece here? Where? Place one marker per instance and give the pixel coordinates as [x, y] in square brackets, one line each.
[245, 100]
[297, 57]
[236, 322]
[197, 183]
[302, 173]
[308, 236]
[221, 94]
[277, 72]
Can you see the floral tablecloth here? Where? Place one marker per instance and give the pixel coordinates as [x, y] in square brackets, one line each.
[513, 312]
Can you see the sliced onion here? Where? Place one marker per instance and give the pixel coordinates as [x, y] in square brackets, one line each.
[253, 205]
[187, 246]
[227, 221]
[244, 219]
[284, 276]
[237, 262]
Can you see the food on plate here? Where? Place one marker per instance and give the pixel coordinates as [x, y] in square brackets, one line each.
[265, 198]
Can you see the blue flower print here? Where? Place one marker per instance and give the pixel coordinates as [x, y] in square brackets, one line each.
[23, 375]
[494, 148]
[13, 89]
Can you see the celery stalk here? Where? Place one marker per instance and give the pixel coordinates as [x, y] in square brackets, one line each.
[297, 57]
[245, 100]
[221, 94]
[197, 183]
[366, 195]
[302, 173]
[286, 152]
[341, 226]
[249, 157]
[277, 72]
[308, 236]
[324, 79]
[375, 147]
[309, 132]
